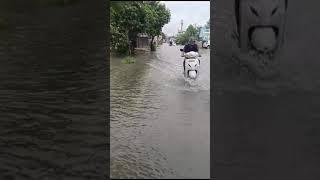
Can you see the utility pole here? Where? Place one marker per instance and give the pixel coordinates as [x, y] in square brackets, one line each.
[181, 24]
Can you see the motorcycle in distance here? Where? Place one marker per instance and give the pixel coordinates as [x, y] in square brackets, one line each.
[192, 64]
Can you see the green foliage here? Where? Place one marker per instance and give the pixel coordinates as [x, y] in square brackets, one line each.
[128, 18]
[182, 38]
[129, 60]
[157, 15]
[198, 33]
[191, 31]
[119, 40]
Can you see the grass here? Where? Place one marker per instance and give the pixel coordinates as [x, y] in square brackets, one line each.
[129, 60]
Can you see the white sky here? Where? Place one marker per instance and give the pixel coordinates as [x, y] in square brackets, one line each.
[191, 12]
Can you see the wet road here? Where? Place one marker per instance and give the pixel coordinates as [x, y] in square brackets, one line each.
[159, 123]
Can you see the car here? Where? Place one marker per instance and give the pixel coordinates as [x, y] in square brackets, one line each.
[206, 44]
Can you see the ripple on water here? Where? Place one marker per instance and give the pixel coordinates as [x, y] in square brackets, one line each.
[139, 99]
[130, 156]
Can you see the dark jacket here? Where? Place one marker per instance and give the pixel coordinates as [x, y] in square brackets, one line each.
[190, 47]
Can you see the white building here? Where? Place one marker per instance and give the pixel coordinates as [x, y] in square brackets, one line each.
[204, 33]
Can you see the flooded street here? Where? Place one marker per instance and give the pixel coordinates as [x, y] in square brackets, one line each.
[159, 123]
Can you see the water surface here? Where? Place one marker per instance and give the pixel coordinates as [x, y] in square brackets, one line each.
[159, 123]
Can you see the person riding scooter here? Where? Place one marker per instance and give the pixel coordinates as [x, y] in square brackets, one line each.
[191, 46]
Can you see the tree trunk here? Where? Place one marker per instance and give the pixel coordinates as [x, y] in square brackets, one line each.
[132, 47]
[152, 45]
[129, 43]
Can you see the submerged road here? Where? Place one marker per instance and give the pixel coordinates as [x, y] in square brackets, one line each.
[160, 125]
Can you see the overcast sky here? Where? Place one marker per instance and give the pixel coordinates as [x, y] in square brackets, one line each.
[191, 12]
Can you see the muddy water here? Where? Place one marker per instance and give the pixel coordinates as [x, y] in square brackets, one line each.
[52, 124]
[159, 123]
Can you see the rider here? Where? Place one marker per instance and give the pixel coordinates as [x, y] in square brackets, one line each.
[191, 46]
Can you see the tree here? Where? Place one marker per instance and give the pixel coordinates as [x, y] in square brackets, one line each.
[127, 20]
[191, 31]
[157, 15]
[198, 34]
[119, 40]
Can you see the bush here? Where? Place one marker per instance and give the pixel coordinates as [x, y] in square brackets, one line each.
[118, 41]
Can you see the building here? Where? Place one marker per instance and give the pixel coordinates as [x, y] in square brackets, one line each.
[142, 41]
[181, 28]
[204, 33]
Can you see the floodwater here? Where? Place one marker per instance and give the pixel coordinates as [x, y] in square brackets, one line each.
[160, 125]
[52, 111]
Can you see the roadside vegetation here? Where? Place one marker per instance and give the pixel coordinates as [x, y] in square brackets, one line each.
[191, 31]
[128, 18]
[129, 60]
[183, 38]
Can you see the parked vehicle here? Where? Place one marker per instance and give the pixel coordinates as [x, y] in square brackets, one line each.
[206, 44]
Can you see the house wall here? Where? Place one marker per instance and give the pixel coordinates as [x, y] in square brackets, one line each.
[142, 42]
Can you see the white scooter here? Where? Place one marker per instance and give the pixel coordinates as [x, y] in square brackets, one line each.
[192, 64]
